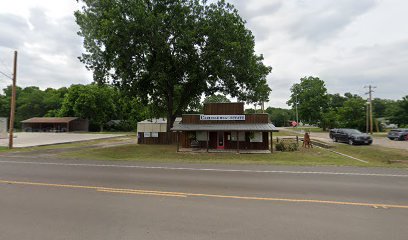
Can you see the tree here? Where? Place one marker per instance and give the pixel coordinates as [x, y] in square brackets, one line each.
[169, 53]
[352, 113]
[400, 113]
[280, 117]
[216, 98]
[310, 96]
[92, 102]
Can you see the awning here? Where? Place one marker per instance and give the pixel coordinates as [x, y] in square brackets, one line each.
[253, 127]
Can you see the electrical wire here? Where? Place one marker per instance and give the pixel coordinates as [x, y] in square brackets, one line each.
[6, 75]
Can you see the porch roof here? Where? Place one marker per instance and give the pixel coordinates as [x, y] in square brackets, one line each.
[253, 127]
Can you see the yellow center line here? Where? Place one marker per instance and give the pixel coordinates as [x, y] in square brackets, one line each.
[141, 193]
[182, 194]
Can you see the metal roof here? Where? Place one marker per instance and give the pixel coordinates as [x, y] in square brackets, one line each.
[253, 127]
[50, 120]
[159, 120]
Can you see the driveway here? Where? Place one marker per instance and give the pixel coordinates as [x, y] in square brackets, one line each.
[28, 139]
[378, 141]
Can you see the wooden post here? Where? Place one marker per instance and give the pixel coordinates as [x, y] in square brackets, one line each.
[178, 141]
[271, 142]
[208, 140]
[237, 141]
[13, 102]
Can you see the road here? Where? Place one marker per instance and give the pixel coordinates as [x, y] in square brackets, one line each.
[61, 199]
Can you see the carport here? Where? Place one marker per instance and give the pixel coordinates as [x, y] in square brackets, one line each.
[62, 124]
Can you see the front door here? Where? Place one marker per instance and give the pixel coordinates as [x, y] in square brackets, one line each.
[220, 140]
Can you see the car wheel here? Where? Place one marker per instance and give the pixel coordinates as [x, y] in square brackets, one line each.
[406, 137]
[350, 142]
[334, 139]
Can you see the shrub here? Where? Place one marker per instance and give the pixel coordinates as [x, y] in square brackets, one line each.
[287, 146]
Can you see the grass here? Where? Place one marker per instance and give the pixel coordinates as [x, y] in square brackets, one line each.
[3, 149]
[373, 154]
[304, 157]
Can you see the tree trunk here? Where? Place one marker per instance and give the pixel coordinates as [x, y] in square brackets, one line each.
[101, 128]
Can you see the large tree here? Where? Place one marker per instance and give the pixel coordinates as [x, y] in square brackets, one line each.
[352, 114]
[311, 99]
[400, 112]
[93, 102]
[169, 53]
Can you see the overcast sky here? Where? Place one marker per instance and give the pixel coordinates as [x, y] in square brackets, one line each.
[347, 43]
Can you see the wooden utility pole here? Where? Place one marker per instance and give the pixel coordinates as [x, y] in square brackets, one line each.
[370, 100]
[13, 102]
[367, 113]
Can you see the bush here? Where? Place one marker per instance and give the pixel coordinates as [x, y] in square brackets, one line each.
[287, 146]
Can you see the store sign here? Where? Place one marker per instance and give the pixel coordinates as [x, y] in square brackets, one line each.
[222, 117]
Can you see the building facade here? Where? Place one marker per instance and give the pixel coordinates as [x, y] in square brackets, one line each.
[154, 131]
[225, 126]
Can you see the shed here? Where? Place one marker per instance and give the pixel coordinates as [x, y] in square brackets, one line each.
[154, 131]
[55, 124]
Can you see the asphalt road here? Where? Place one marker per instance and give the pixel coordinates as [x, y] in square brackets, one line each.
[104, 200]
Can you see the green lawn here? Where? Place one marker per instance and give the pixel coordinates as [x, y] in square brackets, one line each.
[304, 157]
[3, 149]
[373, 153]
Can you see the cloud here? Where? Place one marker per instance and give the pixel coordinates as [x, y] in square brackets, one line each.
[13, 30]
[384, 66]
[48, 49]
[316, 21]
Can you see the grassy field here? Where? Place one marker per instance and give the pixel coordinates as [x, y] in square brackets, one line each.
[304, 157]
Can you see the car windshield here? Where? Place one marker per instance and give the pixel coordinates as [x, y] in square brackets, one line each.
[352, 131]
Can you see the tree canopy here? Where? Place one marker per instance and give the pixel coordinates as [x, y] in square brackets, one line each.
[169, 53]
[310, 96]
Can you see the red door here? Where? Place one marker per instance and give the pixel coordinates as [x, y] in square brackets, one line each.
[220, 140]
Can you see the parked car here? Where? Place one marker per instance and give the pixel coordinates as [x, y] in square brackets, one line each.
[400, 134]
[350, 136]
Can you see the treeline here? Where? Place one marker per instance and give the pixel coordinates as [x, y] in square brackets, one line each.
[99, 104]
[317, 107]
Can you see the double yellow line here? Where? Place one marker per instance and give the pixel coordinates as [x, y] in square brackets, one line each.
[184, 195]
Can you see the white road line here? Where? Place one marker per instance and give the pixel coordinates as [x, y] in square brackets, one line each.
[206, 169]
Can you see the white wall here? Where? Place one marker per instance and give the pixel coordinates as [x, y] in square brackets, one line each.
[3, 128]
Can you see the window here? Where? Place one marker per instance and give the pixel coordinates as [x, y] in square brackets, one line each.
[256, 137]
[241, 136]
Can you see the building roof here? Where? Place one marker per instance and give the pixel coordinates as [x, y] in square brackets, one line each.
[50, 120]
[159, 120]
[253, 127]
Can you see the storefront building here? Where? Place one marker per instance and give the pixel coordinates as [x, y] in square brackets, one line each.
[225, 126]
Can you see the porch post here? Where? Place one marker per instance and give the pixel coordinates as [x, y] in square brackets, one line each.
[271, 142]
[208, 139]
[237, 141]
[178, 141]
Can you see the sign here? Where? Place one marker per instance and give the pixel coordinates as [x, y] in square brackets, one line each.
[147, 134]
[222, 117]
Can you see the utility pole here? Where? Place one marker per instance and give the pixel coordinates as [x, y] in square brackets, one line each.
[370, 101]
[297, 116]
[13, 102]
[367, 113]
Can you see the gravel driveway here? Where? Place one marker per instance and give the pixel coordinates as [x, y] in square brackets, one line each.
[378, 141]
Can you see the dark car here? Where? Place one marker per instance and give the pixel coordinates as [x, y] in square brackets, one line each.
[400, 134]
[350, 136]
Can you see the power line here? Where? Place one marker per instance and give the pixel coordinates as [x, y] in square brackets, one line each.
[6, 75]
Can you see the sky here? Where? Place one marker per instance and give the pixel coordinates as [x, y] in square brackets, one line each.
[347, 43]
